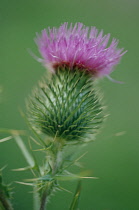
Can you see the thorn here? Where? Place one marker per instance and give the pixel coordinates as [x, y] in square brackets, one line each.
[65, 189]
[35, 141]
[120, 133]
[6, 139]
[89, 177]
[113, 80]
[1, 169]
[24, 183]
[40, 60]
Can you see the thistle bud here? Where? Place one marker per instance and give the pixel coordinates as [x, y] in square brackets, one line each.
[67, 107]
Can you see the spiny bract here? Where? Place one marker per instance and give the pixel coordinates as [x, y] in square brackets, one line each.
[67, 106]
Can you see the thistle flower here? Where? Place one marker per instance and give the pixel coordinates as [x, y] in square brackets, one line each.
[67, 106]
[79, 47]
[65, 109]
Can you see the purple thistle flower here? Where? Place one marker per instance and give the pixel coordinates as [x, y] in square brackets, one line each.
[79, 47]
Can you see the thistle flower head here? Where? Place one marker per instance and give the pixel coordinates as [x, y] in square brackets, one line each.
[79, 47]
[68, 110]
[67, 107]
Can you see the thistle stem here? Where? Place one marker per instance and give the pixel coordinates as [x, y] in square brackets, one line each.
[45, 195]
[36, 201]
[43, 200]
[55, 160]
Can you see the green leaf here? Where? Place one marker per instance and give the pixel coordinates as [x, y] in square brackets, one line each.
[75, 201]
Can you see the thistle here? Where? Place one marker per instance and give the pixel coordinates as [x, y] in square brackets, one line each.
[65, 110]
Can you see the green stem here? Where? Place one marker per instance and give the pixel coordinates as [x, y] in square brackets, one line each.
[55, 161]
[6, 204]
[36, 200]
[45, 194]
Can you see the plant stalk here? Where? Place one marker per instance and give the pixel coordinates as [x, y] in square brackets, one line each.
[45, 195]
[55, 161]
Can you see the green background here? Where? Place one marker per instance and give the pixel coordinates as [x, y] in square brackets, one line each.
[114, 156]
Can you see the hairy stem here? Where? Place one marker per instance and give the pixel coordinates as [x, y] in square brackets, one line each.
[55, 162]
[36, 201]
[45, 195]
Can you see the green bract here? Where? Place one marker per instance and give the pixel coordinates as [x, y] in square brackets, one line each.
[67, 106]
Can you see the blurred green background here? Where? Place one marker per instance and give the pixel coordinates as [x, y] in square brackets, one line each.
[114, 156]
